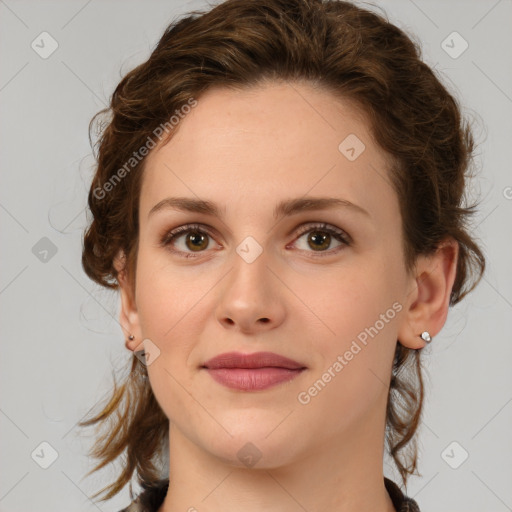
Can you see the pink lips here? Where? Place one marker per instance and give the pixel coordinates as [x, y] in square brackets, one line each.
[252, 372]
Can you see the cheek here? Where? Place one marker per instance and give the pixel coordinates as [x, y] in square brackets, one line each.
[168, 305]
[359, 314]
[168, 297]
[348, 301]
[356, 357]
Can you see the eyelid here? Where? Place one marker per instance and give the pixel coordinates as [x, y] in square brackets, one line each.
[310, 226]
[306, 227]
[174, 233]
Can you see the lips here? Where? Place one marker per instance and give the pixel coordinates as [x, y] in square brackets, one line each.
[252, 361]
[252, 372]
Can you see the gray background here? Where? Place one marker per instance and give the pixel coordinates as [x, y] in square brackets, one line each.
[60, 335]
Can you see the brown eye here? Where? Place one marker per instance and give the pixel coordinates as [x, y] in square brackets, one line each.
[320, 238]
[192, 238]
[186, 240]
[196, 241]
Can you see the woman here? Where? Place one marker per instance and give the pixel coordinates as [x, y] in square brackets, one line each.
[278, 198]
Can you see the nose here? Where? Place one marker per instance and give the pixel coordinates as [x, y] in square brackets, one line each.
[252, 298]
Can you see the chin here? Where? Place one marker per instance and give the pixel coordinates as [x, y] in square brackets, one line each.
[253, 446]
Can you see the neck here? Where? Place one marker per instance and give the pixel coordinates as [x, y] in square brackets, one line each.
[345, 477]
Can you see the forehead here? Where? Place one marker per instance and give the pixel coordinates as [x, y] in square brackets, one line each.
[268, 143]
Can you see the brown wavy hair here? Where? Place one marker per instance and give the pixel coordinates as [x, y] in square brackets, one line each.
[357, 55]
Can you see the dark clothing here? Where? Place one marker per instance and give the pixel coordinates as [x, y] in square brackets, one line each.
[151, 498]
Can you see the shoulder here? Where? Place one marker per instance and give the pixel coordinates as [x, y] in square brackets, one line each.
[150, 499]
[401, 502]
[134, 506]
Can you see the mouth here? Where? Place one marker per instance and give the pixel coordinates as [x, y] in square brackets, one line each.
[252, 372]
[255, 379]
[252, 361]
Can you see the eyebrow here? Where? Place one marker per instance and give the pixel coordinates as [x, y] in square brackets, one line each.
[284, 208]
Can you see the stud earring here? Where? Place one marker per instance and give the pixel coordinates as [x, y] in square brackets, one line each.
[425, 336]
[131, 337]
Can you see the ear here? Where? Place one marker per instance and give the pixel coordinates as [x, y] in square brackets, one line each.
[428, 301]
[128, 316]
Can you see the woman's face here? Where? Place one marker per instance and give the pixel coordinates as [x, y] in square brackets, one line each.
[252, 282]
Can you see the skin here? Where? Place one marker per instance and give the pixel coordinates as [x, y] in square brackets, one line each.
[246, 150]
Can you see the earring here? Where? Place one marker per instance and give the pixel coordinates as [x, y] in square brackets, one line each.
[131, 337]
[425, 336]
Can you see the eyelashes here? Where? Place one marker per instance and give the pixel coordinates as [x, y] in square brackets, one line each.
[168, 240]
